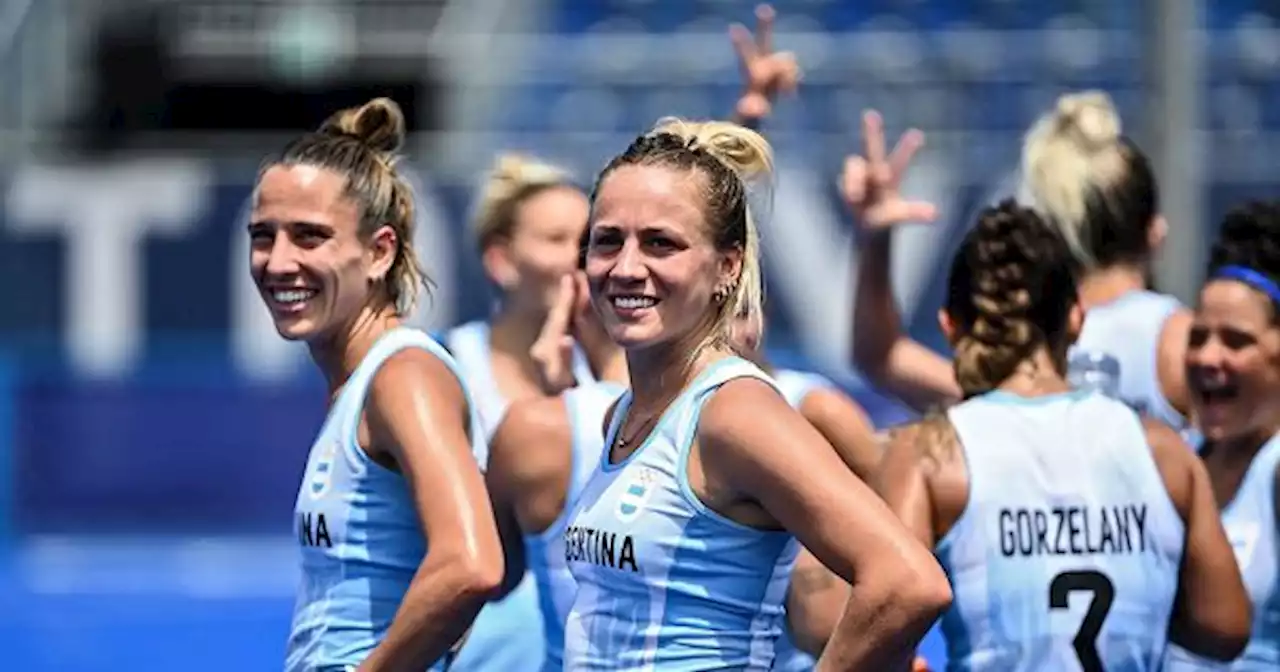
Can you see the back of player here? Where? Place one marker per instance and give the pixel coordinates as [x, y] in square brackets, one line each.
[1067, 554]
[1130, 329]
[586, 407]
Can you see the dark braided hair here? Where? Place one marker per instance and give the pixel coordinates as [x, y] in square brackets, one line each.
[728, 157]
[1011, 290]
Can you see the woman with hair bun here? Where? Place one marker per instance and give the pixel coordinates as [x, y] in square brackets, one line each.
[398, 541]
[1233, 371]
[1076, 534]
[684, 535]
[1097, 188]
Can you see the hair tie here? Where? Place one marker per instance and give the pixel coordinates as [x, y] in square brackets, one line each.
[1252, 278]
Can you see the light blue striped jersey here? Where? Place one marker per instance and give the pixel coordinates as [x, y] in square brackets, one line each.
[795, 386]
[1128, 329]
[665, 583]
[1250, 522]
[357, 526]
[1067, 554]
[586, 406]
[507, 635]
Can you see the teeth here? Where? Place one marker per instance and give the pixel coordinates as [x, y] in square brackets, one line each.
[292, 295]
[634, 302]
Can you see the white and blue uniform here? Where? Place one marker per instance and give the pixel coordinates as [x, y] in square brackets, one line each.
[358, 528]
[507, 635]
[795, 386]
[665, 583]
[1129, 329]
[1250, 521]
[1067, 554]
[586, 405]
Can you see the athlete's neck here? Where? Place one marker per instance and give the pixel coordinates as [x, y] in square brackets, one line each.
[1239, 449]
[513, 333]
[1104, 285]
[339, 355]
[1038, 376]
[659, 373]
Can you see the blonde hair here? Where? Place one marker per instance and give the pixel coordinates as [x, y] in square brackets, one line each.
[1089, 181]
[732, 159]
[362, 144]
[513, 179]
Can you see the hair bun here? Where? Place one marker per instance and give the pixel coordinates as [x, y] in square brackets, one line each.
[1090, 118]
[378, 124]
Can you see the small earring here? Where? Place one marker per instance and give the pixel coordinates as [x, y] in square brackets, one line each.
[720, 295]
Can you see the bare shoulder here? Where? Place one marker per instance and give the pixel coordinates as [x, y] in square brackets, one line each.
[530, 442]
[740, 409]
[1180, 468]
[536, 417]
[415, 369]
[932, 440]
[830, 401]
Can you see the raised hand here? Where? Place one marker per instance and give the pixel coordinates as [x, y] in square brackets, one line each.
[552, 352]
[765, 73]
[871, 184]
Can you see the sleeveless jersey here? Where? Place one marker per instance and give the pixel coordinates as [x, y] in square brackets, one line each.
[358, 528]
[1128, 329]
[507, 635]
[586, 406]
[1250, 522]
[795, 386]
[665, 583]
[1067, 554]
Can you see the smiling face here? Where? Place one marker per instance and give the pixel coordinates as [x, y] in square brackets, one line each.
[1233, 362]
[651, 264]
[312, 267]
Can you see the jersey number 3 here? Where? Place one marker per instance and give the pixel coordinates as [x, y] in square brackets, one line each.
[1103, 593]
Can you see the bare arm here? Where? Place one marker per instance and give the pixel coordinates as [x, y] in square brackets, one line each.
[844, 424]
[1212, 613]
[870, 185]
[815, 602]
[1171, 358]
[887, 356]
[528, 476]
[903, 482]
[416, 413]
[770, 454]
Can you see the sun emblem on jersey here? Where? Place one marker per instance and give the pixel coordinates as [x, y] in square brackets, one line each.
[320, 474]
[636, 493]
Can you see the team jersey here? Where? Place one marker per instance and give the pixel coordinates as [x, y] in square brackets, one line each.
[1067, 554]
[586, 407]
[664, 582]
[1250, 521]
[357, 526]
[1129, 329]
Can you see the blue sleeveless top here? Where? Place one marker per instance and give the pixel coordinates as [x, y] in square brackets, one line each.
[665, 583]
[586, 406]
[357, 527]
[1067, 553]
[1250, 522]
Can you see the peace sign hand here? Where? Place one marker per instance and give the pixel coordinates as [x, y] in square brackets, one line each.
[871, 184]
[552, 352]
[764, 71]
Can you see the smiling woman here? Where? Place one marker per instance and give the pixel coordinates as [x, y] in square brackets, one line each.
[708, 472]
[394, 463]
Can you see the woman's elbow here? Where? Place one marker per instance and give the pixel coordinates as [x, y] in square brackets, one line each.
[920, 582]
[474, 572]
